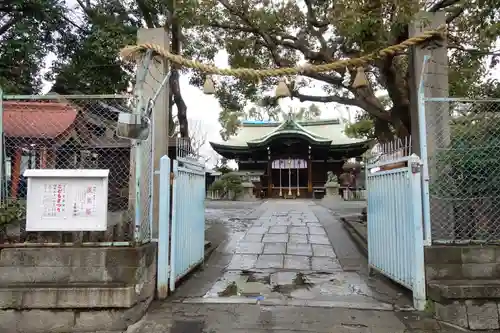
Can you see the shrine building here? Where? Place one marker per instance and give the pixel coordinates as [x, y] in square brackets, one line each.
[291, 158]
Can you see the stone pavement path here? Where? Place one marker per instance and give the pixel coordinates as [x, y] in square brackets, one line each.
[285, 257]
[278, 272]
[287, 236]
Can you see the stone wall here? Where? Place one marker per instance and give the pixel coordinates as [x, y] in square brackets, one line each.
[75, 289]
[464, 284]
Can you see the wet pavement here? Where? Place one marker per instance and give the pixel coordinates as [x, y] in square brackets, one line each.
[285, 257]
[283, 266]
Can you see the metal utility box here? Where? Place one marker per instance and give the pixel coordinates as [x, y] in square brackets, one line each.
[67, 200]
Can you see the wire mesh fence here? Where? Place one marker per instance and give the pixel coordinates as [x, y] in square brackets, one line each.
[65, 132]
[463, 144]
[463, 158]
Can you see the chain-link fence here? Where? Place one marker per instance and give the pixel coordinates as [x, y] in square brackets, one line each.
[463, 160]
[65, 132]
[463, 146]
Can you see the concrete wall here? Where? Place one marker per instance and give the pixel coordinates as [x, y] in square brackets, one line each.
[464, 284]
[462, 262]
[75, 289]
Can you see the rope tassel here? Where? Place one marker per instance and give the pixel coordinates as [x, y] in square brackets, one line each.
[208, 86]
[282, 90]
[360, 80]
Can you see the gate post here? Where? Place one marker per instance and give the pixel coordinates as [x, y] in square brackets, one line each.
[174, 222]
[419, 293]
[163, 267]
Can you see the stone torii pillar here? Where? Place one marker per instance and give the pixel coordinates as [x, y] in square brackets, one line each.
[430, 80]
[158, 139]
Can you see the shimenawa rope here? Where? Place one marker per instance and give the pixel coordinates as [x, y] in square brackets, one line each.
[133, 51]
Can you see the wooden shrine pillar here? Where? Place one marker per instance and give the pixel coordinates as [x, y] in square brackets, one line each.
[309, 171]
[269, 174]
[15, 173]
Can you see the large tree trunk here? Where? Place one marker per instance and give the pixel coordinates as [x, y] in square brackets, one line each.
[175, 90]
[382, 130]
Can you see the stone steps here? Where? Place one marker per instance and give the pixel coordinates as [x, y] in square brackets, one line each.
[67, 296]
[464, 289]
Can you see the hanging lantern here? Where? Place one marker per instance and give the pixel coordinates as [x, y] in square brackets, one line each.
[208, 86]
[360, 80]
[282, 90]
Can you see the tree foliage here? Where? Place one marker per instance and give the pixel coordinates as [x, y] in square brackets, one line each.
[278, 114]
[283, 33]
[84, 39]
[229, 186]
[29, 31]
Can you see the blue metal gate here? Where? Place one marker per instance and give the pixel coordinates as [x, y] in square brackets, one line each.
[181, 243]
[188, 218]
[395, 229]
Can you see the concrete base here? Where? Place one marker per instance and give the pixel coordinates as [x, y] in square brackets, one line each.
[75, 289]
[332, 191]
[247, 194]
[71, 320]
[470, 314]
[464, 284]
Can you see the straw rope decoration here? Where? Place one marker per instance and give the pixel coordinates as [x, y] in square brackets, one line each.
[132, 52]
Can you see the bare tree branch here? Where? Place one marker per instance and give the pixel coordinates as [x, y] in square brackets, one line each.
[325, 99]
[442, 4]
[7, 25]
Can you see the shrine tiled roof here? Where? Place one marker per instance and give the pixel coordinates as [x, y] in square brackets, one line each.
[37, 119]
[328, 131]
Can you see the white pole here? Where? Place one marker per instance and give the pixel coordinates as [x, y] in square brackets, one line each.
[281, 191]
[289, 177]
[298, 190]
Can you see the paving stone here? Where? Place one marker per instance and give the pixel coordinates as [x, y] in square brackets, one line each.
[275, 238]
[299, 249]
[317, 231]
[314, 224]
[298, 223]
[283, 224]
[243, 261]
[297, 262]
[249, 248]
[296, 238]
[318, 239]
[323, 251]
[278, 229]
[274, 248]
[253, 289]
[257, 230]
[253, 238]
[282, 278]
[325, 264]
[299, 230]
[269, 261]
[482, 315]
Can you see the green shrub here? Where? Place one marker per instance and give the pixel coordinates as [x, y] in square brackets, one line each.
[229, 185]
[12, 212]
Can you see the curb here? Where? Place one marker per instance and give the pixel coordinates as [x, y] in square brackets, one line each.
[209, 249]
[357, 237]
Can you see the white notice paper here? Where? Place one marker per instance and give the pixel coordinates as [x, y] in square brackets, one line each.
[54, 200]
[85, 202]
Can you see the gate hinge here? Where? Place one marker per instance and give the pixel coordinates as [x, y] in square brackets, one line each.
[415, 167]
[172, 177]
